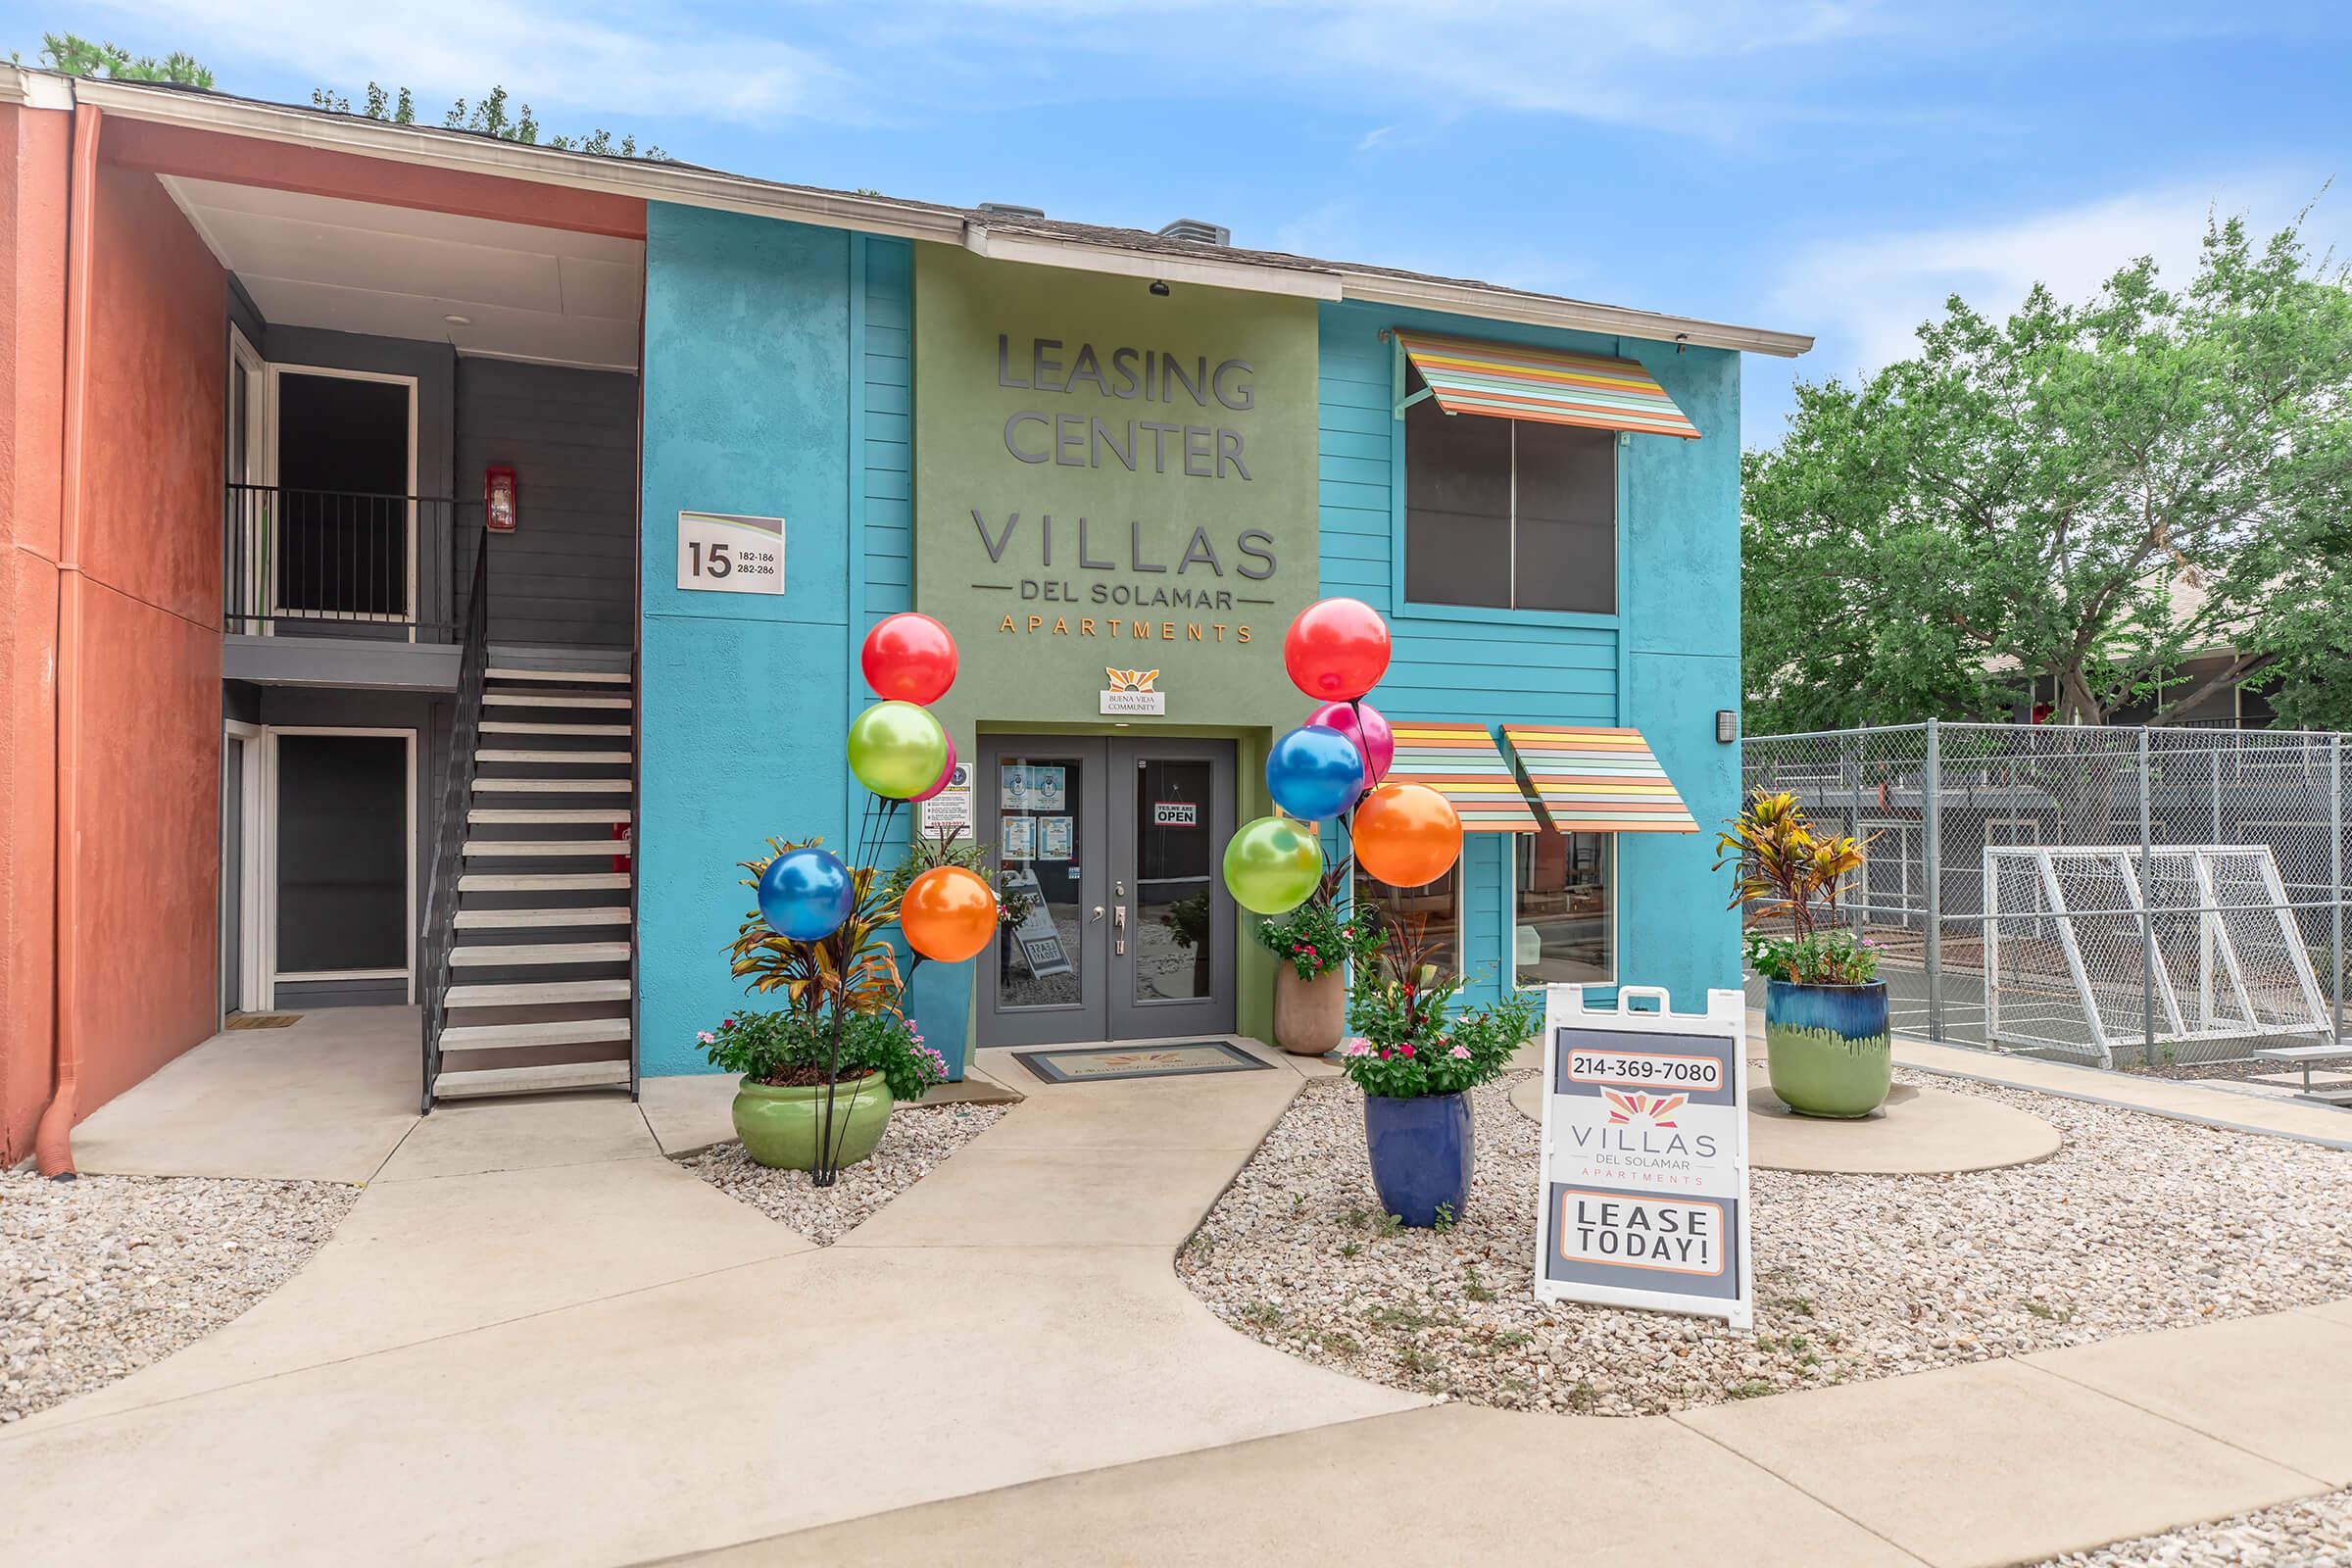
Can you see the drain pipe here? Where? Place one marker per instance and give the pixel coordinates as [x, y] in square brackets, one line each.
[52, 1140]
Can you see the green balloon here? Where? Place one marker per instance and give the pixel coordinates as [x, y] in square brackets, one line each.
[1273, 865]
[896, 749]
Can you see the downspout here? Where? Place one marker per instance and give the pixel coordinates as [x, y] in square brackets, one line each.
[52, 1140]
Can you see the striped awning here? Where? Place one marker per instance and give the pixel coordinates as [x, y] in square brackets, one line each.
[1544, 386]
[1462, 763]
[1597, 780]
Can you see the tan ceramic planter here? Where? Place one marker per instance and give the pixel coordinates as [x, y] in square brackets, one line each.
[1310, 1015]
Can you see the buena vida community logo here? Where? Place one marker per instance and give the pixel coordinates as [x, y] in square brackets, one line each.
[1132, 680]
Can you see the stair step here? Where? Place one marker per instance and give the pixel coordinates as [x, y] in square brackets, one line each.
[504, 849]
[522, 955]
[517, 1036]
[529, 1080]
[536, 993]
[512, 726]
[552, 700]
[2324, 1052]
[553, 786]
[526, 919]
[579, 678]
[549, 757]
[540, 882]
[554, 814]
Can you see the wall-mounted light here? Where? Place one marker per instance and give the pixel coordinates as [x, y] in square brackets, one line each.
[498, 501]
[1727, 725]
[1159, 287]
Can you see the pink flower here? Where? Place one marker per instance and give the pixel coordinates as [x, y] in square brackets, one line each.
[1407, 1048]
[1460, 1052]
[1357, 1046]
[705, 1036]
[1386, 1053]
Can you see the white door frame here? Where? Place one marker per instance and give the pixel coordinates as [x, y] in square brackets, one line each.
[245, 363]
[277, 373]
[269, 878]
[251, 983]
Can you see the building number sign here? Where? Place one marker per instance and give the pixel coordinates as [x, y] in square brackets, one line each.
[722, 553]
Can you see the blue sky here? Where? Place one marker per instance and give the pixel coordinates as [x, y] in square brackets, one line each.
[1826, 168]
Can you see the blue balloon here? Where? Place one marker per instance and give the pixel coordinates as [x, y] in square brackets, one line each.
[1315, 772]
[805, 895]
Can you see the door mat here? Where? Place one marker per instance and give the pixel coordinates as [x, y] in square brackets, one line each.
[261, 1020]
[1089, 1063]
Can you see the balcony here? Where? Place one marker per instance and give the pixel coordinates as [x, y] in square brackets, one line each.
[345, 587]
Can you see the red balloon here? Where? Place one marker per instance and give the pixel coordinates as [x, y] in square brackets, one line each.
[1337, 649]
[1374, 741]
[948, 913]
[910, 658]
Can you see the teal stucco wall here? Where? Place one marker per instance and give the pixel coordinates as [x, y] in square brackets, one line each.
[1663, 663]
[749, 389]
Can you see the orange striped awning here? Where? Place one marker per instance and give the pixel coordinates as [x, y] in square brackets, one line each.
[1597, 780]
[1462, 763]
[1545, 386]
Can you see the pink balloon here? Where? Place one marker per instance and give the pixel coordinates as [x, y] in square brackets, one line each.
[1373, 740]
[945, 773]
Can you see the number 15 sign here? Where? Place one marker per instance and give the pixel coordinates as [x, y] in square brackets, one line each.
[1644, 1201]
[722, 553]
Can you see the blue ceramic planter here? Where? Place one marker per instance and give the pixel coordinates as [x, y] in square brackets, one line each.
[1828, 1047]
[1422, 1150]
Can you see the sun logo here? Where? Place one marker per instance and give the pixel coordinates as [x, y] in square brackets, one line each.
[1657, 1109]
[1131, 680]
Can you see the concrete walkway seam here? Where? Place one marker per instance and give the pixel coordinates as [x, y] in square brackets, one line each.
[2319, 1484]
[1893, 1546]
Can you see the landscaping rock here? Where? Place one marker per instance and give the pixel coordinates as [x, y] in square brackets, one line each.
[2138, 1223]
[2316, 1533]
[917, 1139]
[103, 1274]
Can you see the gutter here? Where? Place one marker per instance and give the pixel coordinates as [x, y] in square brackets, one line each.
[688, 185]
[52, 1139]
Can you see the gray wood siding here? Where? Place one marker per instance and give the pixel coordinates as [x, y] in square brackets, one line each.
[565, 577]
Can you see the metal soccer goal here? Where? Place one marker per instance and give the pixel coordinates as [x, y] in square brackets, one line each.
[2170, 945]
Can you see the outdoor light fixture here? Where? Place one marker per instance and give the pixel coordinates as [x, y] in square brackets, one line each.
[1159, 287]
[1727, 725]
[498, 501]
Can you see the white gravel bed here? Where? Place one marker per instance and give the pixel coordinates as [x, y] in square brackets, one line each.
[2316, 1533]
[917, 1139]
[103, 1274]
[2138, 1223]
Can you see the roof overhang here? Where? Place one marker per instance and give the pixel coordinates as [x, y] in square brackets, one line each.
[686, 184]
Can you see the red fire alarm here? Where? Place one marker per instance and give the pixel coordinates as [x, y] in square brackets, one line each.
[498, 500]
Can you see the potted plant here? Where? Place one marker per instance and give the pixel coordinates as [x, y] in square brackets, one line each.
[1416, 1064]
[1826, 1036]
[792, 1066]
[830, 1063]
[1312, 945]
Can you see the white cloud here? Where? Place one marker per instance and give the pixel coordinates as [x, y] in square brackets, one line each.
[573, 56]
[1864, 296]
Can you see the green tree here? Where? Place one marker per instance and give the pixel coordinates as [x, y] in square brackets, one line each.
[77, 56]
[2023, 498]
[487, 116]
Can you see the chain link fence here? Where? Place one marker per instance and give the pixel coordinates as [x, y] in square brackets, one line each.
[2132, 955]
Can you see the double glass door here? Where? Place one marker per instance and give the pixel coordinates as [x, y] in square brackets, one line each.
[1110, 851]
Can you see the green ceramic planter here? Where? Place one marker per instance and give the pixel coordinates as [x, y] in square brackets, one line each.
[1828, 1048]
[779, 1126]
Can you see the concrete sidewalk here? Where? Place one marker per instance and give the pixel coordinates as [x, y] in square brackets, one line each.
[535, 1341]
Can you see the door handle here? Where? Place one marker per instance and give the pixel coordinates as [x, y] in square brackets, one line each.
[1097, 915]
[1119, 918]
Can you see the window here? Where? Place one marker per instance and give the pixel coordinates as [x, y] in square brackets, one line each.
[1508, 513]
[1565, 926]
[1437, 908]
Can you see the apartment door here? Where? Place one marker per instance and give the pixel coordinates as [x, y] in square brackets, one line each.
[1112, 848]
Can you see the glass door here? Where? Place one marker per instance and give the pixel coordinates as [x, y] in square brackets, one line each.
[1041, 806]
[1171, 920]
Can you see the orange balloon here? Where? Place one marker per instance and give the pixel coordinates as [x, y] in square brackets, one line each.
[1407, 835]
[948, 913]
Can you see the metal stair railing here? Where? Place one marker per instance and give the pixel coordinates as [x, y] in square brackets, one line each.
[457, 789]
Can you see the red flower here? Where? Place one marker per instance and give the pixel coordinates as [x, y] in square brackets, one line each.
[1407, 1048]
[1386, 1053]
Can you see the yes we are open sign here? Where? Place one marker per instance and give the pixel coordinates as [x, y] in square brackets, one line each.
[1644, 1201]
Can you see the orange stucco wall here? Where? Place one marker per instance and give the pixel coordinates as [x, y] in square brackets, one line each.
[34, 146]
[149, 854]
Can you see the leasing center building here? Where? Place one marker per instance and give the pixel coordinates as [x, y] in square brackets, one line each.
[437, 508]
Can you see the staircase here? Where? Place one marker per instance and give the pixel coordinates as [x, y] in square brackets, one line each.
[539, 973]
